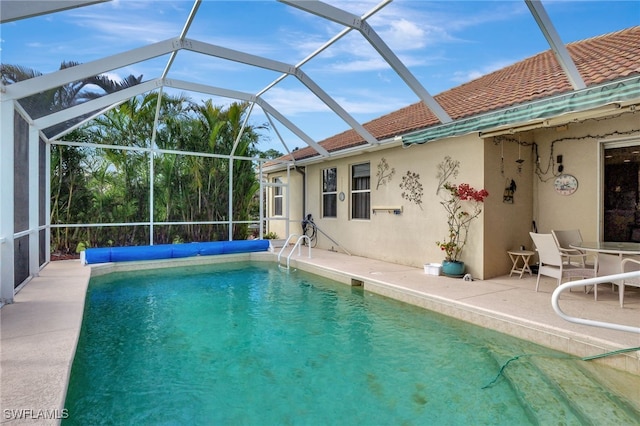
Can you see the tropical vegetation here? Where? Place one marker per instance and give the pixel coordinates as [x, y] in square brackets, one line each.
[190, 191]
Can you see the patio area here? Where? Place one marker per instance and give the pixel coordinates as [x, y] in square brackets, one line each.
[40, 330]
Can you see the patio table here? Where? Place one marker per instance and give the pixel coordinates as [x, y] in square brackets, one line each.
[524, 256]
[610, 254]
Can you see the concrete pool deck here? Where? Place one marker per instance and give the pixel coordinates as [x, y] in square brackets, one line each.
[40, 330]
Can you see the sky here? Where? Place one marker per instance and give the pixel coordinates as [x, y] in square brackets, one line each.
[443, 44]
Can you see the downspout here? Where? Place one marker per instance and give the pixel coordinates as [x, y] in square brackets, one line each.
[301, 170]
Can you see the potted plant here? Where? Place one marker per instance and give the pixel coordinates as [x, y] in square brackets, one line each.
[462, 204]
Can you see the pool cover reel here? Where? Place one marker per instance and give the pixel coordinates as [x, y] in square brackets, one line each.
[172, 251]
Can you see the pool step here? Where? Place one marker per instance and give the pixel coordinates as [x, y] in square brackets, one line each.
[544, 404]
[559, 391]
[595, 403]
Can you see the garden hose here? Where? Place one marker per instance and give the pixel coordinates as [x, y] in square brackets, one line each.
[587, 358]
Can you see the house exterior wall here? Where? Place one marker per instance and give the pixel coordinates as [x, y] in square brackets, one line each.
[506, 226]
[507, 222]
[581, 148]
[491, 163]
[293, 195]
[407, 238]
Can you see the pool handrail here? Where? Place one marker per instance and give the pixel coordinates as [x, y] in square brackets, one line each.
[297, 244]
[593, 281]
[285, 245]
[302, 238]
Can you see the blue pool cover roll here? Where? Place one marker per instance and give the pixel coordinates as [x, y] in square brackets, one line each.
[186, 250]
[170, 251]
[243, 246]
[124, 254]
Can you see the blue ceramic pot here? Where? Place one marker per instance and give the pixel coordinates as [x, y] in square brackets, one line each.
[453, 268]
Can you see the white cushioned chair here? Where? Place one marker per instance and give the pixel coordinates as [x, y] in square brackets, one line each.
[555, 263]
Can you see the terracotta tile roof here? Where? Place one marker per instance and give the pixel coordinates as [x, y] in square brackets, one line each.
[599, 59]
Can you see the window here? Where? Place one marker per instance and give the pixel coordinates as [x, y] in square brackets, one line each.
[621, 192]
[277, 197]
[360, 192]
[330, 192]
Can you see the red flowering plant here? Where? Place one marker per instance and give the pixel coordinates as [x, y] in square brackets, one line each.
[458, 218]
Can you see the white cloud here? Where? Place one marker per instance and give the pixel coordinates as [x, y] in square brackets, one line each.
[294, 101]
[404, 34]
[360, 65]
[400, 26]
[372, 105]
[126, 28]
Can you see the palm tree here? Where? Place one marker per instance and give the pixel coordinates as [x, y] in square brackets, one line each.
[65, 96]
[97, 185]
[222, 138]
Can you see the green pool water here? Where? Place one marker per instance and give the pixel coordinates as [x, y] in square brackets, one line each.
[251, 344]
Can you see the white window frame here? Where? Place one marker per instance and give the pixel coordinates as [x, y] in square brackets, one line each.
[355, 192]
[333, 194]
[278, 197]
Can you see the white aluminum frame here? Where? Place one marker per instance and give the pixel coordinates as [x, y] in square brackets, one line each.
[9, 96]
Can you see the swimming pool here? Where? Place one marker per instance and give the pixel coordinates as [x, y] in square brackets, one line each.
[245, 343]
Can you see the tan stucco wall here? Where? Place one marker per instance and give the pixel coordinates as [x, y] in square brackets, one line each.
[581, 148]
[278, 224]
[409, 238]
[507, 225]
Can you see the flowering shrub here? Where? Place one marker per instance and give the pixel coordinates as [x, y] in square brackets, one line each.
[458, 218]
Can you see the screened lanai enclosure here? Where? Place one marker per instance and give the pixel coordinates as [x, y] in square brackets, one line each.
[160, 129]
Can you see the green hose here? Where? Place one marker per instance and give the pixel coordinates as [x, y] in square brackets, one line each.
[621, 351]
[586, 358]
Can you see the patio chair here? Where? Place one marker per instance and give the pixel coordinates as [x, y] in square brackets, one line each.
[554, 263]
[628, 265]
[564, 239]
